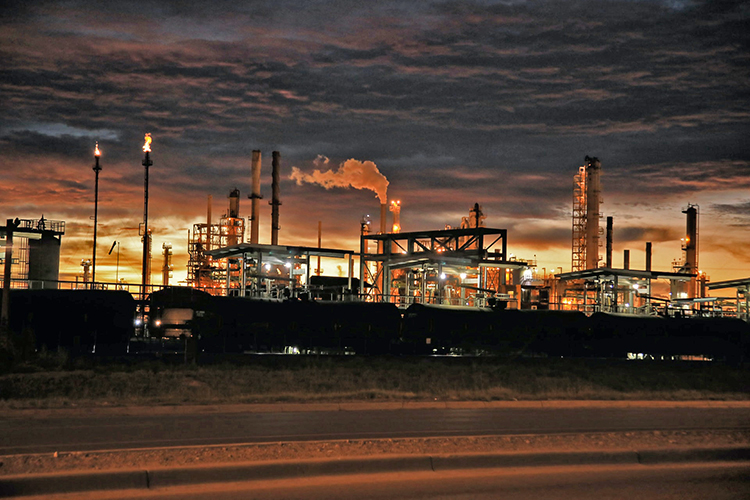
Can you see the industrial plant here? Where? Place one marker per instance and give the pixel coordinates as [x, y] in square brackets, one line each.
[437, 285]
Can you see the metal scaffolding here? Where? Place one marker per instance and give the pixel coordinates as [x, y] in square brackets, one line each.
[464, 266]
[206, 272]
[579, 221]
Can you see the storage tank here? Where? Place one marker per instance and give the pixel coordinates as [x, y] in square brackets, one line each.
[44, 261]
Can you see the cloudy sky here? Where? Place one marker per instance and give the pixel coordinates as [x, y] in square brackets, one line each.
[455, 102]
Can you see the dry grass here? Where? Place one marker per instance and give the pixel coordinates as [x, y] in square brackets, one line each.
[303, 379]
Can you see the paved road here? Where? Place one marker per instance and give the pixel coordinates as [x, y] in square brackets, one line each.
[669, 482]
[82, 433]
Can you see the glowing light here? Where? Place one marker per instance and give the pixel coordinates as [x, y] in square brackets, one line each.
[147, 144]
[268, 267]
[96, 150]
[463, 276]
[442, 276]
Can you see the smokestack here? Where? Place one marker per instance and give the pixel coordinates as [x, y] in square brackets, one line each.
[691, 245]
[320, 243]
[234, 204]
[208, 222]
[626, 259]
[593, 191]
[255, 196]
[609, 242]
[275, 199]
[648, 256]
[383, 218]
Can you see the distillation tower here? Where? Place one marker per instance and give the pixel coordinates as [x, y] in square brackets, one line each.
[586, 215]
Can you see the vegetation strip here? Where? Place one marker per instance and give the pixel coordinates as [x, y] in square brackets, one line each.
[294, 379]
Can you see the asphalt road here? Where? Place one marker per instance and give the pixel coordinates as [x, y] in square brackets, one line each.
[111, 432]
[717, 481]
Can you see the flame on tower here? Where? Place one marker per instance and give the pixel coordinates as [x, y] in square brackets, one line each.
[147, 144]
[96, 150]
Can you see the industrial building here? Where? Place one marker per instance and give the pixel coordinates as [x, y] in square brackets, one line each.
[467, 265]
[31, 257]
[204, 271]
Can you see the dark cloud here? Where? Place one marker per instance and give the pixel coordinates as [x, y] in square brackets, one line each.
[456, 102]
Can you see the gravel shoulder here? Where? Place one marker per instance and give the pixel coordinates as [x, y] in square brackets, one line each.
[293, 450]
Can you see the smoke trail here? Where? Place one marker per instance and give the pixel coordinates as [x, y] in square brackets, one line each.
[351, 173]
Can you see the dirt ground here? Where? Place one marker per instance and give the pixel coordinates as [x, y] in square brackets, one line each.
[177, 457]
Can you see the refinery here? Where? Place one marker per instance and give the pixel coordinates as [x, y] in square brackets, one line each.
[237, 287]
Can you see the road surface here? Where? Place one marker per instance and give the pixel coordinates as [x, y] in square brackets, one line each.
[64, 433]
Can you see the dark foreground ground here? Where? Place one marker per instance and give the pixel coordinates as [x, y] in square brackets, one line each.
[59, 382]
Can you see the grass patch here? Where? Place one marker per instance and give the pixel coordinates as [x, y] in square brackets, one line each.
[313, 379]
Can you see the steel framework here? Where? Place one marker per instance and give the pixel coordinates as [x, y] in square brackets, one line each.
[579, 221]
[428, 257]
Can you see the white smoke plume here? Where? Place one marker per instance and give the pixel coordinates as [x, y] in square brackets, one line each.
[351, 173]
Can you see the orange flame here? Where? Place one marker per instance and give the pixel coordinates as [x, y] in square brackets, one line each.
[96, 150]
[147, 144]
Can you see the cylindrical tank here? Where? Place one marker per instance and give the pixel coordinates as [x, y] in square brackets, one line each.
[593, 191]
[44, 261]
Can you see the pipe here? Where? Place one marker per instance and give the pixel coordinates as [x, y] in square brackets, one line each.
[648, 256]
[208, 223]
[609, 242]
[626, 259]
[691, 246]
[255, 196]
[5, 314]
[275, 199]
[320, 241]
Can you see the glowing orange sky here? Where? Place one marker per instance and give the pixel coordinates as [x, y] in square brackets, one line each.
[454, 103]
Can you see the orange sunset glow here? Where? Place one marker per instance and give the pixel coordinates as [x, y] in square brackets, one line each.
[490, 104]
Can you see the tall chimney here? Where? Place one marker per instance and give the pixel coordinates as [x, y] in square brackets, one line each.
[255, 197]
[275, 199]
[609, 242]
[626, 259]
[593, 191]
[648, 256]
[234, 204]
[691, 246]
[383, 218]
[208, 223]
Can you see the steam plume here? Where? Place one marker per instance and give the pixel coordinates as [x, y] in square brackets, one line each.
[351, 173]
